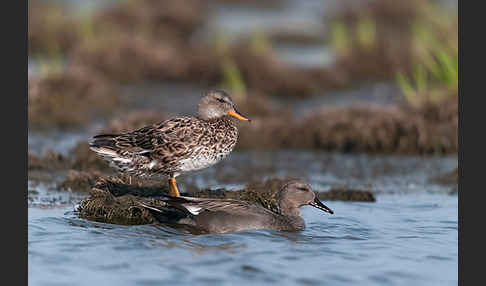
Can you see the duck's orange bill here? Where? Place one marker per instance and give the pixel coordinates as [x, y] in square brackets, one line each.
[238, 115]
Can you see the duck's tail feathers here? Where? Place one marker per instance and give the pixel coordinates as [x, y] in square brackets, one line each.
[165, 214]
[104, 144]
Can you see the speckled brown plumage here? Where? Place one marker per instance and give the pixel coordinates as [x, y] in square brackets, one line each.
[165, 147]
[177, 145]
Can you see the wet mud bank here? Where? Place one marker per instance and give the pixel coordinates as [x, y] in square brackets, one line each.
[68, 99]
[79, 158]
[113, 201]
[78, 171]
[430, 129]
[388, 129]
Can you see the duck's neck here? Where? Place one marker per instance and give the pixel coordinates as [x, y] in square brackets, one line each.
[287, 209]
[224, 121]
[292, 214]
[293, 221]
[215, 119]
[297, 222]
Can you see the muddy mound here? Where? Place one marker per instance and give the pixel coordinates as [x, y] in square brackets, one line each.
[126, 58]
[71, 98]
[79, 158]
[167, 20]
[430, 128]
[56, 31]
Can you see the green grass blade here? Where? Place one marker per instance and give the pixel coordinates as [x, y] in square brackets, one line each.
[406, 87]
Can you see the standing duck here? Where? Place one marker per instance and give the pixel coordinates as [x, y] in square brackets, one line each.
[177, 145]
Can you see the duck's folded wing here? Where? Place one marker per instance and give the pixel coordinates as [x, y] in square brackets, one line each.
[173, 136]
[181, 129]
[166, 213]
[196, 206]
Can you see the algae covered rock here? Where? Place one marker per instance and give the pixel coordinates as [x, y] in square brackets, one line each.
[345, 194]
[102, 206]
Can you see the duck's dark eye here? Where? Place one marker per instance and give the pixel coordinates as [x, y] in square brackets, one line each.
[302, 189]
[220, 100]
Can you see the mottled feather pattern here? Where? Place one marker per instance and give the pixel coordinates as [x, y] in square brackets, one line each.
[169, 148]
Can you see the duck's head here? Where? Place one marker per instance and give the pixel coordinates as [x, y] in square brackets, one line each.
[297, 193]
[216, 104]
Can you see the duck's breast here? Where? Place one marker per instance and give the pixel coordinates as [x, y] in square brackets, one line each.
[198, 161]
[215, 144]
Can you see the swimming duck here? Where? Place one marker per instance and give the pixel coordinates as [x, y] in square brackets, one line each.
[225, 215]
[175, 146]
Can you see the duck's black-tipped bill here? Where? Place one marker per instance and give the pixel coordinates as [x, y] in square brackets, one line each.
[238, 115]
[318, 204]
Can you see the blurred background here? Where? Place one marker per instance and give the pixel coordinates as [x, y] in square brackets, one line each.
[356, 97]
[351, 76]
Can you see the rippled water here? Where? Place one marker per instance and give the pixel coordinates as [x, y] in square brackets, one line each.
[409, 236]
[397, 241]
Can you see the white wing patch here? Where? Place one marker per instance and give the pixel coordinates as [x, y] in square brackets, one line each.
[193, 209]
[122, 160]
[149, 207]
[152, 164]
[104, 151]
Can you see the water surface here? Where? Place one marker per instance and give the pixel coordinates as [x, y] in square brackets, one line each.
[399, 240]
[408, 236]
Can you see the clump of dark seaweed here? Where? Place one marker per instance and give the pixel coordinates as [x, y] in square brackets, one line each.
[347, 194]
[102, 206]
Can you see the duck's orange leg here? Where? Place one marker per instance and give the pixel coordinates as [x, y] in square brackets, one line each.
[173, 191]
